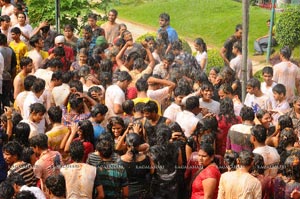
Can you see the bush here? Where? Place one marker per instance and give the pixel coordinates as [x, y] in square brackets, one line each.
[214, 60]
[288, 27]
[185, 45]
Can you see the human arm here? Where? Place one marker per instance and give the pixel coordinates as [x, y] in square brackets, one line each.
[38, 29]
[100, 192]
[149, 55]
[74, 130]
[209, 187]
[223, 55]
[188, 152]
[8, 114]
[170, 84]
[121, 53]
[17, 86]
[121, 142]
[125, 192]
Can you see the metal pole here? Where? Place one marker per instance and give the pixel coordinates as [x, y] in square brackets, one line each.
[246, 6]
[270, 31]
[57, 15]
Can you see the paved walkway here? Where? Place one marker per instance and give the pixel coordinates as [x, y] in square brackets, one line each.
[138, 29]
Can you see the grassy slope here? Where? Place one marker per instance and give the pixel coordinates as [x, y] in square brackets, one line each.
[213, 20]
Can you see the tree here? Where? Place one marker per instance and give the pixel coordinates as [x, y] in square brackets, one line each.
[288, 27]
[71, 11]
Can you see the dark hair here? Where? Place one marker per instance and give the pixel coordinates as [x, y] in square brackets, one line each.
[16, 178]
[25, 61]
[170, 57]
[260, 113]
[3, 39]
[87, 129]
[106, 65]
[113, 121]
[191, 103]
[105, 78]
[150, 107]
[285, 121]
[114, 11]
[179, 90]
[245, 158]
[200, 42]
[27, 153]
[55, 114]
[254, 83]
[163, 134]
[292, 167]
[38, 85]
[141, 85]
[56, 184]
[6, 190]
[76, 84]
[5, 18]
[139, 107]
[28, 82]
[133, 140]
[123, 76]
[22, 131]
[13, 148]
[57, 75]
[238, 46]
[25, 195]
[259, 165]
[208, 148]
[280, 89]
[247, 113]
[69, 26]
[66, 77]
[286, 52]
[128, 106]
[74, 101]
[138, 63]
[87, 28]
[165, 16]
[238, 27]
[105, 147]
[40, 140]
[15, 30]
[207, 85]
[59, 51]
[34, 39]
[227, 110]
[287, 137]
[259, 132]
[177, 45]
[267, 70]
[37, 108]
[98, 108]
[207, 139]
[230, 158]
[93, 16]
[77, 151]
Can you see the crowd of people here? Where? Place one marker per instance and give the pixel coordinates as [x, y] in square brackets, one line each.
[102, 116]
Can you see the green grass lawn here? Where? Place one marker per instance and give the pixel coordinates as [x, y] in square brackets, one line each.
[213, 20]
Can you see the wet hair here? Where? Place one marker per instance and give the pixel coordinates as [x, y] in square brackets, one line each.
[208, 139]
[260, 113]
[286, 52]
[245, 158]
[56, 185]
[28, 82]
[74, 101]
[88, 29]
[175, 127]
[69, 26]
[179, 90]
[113, 121]
[57, 75]
[6, 190]
[139, 107]
[165, 16]
[238, 27]
[259, 132]
[66, 77]
[191, 103]
[201, 77]
[38, 85]
[27, 153]
[16, 178]
[77, 151]
[259, 165]
[169, 57]
[25, 61]
[150, 107]
[34, 39]
[22, 131]
[114, 11]
[230, 158]
[16, 30]
[208, 148]
[267, 70]
[5, 18]
[59, 51]
[292, 167]
[93, 16]
[177, 45]
[3, 39]
[99, 108]
[207, 85]
[87, 130]
[106, 65]
[25, 195]
[280, 89]
[13, 148]
[105, 147]
[127, 106]
[123, 76]
[254, 83]
[238, 46]
[141, 85]
[105, 78]
[163, 134]
[40, 140]
[138, 63]
[133, 140]
[287, 137]
[76, 84]
[285, 121]
[247, 113]
[200, 42]
[37, 108]
[55, 114]
[227, 110]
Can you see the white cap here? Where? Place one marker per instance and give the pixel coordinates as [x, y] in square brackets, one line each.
[59, 39]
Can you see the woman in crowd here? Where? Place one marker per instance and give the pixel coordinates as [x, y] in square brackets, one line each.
[201, 55]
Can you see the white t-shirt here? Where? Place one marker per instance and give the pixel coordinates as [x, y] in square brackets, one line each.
[200, 56]
[212, 106]
[268, 91]
[187, 121]
[257, 103]
[172, 111]
[113, 95]
[159, 95]
[237, 65]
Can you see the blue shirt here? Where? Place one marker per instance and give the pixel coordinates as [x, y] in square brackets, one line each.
[172, 34]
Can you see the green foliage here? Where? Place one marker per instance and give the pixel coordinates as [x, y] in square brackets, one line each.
[71, 11]
[214, 60]
[288, 27]
[258, 75]
[186, 47]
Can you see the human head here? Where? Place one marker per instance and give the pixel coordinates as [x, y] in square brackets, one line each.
[15, 33]
[141, 85]
[200, 45]
[206, 154]
[164, 20]
[192, 103]
[285, 121]
[68, 30]
[38, 86]
[259, 133]
[39, 141]
[179, 93]
[26, 64]
[163, 134]
[5, 22]
[267, 73]
[127, 106]
[36, 41]
[29, 156]
[238, 31]
[245, 158]
[230, 158]
[6, 190]
[22, 131]
[77, 151]
[37, 111]
[285, 52]
[237, 47]
[87, 32]
[247, 113]
[150, 110]
[287, 137]
[259, 165]
[105, 147]
[116, 126]
[12, 152]
[56, 184]
[92, 19]
[86, 131]
[76, 102]
[76, 86]
[28, 82]
[279, 92]
[296, 104]
[264, 118]
[207, 91]
[59, 40]
[292, 167]
[253, 86]
[225, 90]
[55, 114]
[25, 195]
[56, 78]
[3, 39]
[112, 15]
[226, 107]
[98, 112]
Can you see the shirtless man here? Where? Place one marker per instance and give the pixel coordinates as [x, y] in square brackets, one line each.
[111, 28]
